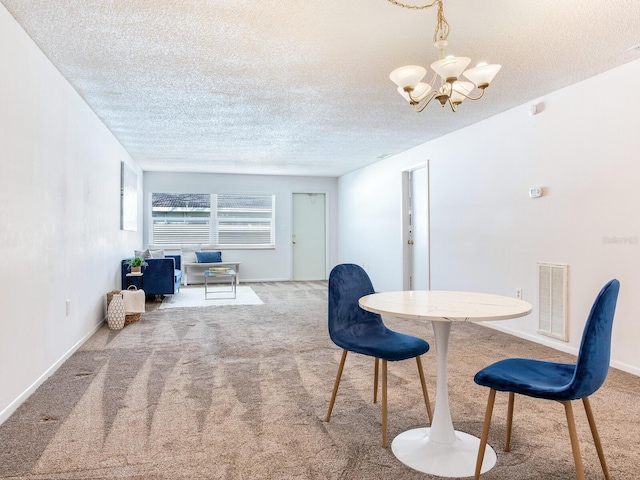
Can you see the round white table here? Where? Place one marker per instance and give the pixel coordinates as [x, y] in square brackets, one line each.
[439, 449]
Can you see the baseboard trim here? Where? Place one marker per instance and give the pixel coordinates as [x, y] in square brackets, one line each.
[625, 367]
[13, 406]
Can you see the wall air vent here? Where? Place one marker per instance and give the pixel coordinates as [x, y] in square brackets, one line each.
[552, 300]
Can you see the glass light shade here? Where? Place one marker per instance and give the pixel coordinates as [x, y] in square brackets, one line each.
[482, 75]
[408, 75]
[420, 91]
[450, 67]
[460, 89]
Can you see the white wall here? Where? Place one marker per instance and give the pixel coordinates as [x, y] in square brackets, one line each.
[487, 234]
[60, 219]
[257, 265]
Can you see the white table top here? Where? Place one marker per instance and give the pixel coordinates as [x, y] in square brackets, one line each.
[445, 305]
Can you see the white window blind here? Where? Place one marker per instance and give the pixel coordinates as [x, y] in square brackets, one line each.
[217, 220]
[245, 220]
[180, 218]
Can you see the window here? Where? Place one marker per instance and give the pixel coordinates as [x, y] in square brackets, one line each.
[180, 218]
[210, 219]
[244, 220]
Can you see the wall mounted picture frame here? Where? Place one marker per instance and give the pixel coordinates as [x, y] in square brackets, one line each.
[128, 198]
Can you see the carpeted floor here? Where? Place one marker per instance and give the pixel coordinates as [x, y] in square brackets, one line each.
[240, 392]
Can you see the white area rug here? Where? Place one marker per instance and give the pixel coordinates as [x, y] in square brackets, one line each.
[194, 297]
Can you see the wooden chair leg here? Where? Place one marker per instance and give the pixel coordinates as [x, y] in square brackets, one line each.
[425, 394]
[384, 403]
[485, 432]
[507, 443]
[573, 435]
[596, 437]
[336, 384]
[375, 381]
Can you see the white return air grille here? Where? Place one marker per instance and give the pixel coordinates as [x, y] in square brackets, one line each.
[552, 300]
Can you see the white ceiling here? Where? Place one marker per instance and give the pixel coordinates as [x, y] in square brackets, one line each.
[294, 87]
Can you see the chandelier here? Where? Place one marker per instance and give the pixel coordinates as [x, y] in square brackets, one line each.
[445, 85]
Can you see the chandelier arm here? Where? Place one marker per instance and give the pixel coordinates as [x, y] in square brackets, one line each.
[420, 106]
[472, 98]
[434, 80]
[416, 100]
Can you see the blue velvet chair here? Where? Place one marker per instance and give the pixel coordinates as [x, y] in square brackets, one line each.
[356, 330]
[558, 381]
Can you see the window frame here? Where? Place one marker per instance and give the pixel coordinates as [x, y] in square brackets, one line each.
[214, 223]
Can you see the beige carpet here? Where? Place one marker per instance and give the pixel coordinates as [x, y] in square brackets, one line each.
[240, 392]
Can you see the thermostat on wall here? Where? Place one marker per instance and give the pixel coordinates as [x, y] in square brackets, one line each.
[535, 192]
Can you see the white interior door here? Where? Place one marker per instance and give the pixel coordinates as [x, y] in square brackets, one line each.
[419, 261]
[309, 236]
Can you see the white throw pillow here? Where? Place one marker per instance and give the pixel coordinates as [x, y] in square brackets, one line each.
[157, 253]
[189, 254]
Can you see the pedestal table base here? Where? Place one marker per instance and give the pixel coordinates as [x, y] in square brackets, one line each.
[457, 459]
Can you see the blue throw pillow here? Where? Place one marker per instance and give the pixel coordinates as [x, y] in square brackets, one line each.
[209, 257]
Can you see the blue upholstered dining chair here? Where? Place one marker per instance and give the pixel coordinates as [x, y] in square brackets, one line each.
[356, 330]
[558, 381]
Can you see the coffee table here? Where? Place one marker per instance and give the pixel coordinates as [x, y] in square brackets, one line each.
[229, 275]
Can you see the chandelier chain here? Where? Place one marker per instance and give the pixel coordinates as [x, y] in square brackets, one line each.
[442, 27]
[413, 7]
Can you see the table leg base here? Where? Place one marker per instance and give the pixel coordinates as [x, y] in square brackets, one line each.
[457, 459]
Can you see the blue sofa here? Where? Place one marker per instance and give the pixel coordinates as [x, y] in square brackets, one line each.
[162, 276]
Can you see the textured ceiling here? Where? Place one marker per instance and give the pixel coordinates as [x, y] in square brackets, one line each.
[292, 87]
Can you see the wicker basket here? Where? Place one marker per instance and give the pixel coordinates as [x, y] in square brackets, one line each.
[131, 318]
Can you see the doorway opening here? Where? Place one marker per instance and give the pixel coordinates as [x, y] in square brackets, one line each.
[416, 229]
